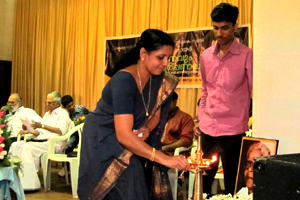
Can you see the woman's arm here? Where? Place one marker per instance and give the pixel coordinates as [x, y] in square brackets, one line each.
[125, 135]
[149, 126]
[153, 121]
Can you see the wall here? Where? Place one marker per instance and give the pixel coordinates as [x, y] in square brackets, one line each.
[276, 47]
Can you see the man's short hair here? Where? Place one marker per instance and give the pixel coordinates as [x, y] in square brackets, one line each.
[65, 100]
[174, 96]
[55, 95]
[19, 98]
[198, 103]
[225, 12]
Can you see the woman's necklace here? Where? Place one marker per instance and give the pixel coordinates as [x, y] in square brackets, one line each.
[141, 91]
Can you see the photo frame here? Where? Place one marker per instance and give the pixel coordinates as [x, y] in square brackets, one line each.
[251, 147]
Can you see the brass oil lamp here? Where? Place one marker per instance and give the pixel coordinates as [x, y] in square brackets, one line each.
[199, 165]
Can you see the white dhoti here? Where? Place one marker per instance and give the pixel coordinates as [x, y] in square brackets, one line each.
[29, 153]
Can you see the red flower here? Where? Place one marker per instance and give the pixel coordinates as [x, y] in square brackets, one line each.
[2, 125]
[1, 139]
[1, 149]
[1, 113]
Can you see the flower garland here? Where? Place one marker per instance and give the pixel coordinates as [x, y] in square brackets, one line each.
[229, 197]
[6, 160]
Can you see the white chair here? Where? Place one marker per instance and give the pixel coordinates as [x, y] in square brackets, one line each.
[173, 173]
[192, 175]
[46, 159]
[26, 137]
[219, 179]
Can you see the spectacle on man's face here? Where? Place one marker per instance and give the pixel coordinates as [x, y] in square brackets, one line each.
[248, 173]
[224, 32]
[13, 102]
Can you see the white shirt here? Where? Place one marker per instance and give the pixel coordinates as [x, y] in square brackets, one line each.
[57, 118]
[15, 124]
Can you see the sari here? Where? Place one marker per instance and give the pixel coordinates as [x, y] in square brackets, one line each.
[106, 166]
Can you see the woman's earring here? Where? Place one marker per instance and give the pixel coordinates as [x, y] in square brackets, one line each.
[142, 59]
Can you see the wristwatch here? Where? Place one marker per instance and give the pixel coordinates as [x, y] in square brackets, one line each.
[43, 126]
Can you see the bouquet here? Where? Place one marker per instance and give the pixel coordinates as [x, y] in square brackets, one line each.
[6, 160]
[79, 120]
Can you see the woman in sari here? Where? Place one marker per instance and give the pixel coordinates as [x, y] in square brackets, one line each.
[121, 154]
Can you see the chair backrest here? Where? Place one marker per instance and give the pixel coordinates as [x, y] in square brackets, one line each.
[53, 140]
[79, 143]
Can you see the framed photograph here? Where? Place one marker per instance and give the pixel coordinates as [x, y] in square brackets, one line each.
[251, 148]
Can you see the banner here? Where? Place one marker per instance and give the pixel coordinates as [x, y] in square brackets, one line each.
[184, 63]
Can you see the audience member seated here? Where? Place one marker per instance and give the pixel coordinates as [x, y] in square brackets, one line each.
[75, 111]
[179, 129]
[55, 122]
[17, 111]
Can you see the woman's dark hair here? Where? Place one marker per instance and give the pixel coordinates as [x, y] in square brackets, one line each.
[174, 96]
[151, 40]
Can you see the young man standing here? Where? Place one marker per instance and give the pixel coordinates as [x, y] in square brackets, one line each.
[226, 70]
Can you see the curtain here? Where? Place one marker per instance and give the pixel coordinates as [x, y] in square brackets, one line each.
[59, 44]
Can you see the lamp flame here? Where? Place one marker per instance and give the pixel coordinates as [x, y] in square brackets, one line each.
[214, 158]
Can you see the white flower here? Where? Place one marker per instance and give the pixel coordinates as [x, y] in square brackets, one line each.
[14, 159]
[3, 153]
[229, 197]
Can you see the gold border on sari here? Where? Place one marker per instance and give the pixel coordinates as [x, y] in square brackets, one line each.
[113, 172]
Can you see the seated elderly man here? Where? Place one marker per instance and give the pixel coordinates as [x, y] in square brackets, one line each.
[16, 112]
[55, 122]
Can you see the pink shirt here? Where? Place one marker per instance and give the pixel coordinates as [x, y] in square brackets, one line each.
[226, 90]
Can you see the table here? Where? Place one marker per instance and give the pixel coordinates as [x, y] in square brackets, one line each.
[10, 180]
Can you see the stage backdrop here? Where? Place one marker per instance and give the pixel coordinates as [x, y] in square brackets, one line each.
[189, 44]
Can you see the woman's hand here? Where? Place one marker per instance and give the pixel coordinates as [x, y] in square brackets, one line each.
[142, 133]
[180, 162]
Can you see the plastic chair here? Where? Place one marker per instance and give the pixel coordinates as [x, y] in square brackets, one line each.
[52, 156]
[173, 173]
[26, 137]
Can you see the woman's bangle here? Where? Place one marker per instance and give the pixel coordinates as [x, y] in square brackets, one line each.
[153, 155]
[147, 128]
